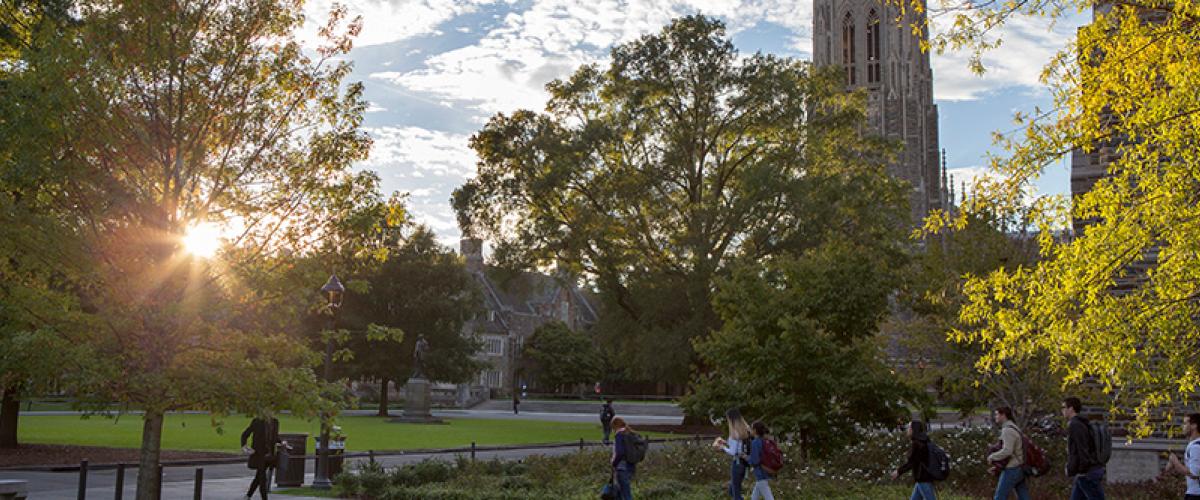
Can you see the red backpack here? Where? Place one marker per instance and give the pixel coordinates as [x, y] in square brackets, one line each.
[772, 458]
[1037, 464]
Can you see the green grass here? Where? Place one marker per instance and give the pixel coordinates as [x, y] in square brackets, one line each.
[196, 432]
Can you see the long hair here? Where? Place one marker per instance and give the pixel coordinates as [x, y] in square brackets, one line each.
[738, 428]
[619, 423]
[919, 432]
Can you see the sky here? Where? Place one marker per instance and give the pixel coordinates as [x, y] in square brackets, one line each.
[434, 71]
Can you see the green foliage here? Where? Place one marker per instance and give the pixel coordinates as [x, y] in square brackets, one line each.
[1117, 302]
[652, 175]
[557, 357]
[797, 350]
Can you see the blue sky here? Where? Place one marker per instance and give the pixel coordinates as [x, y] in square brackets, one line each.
[435, 70]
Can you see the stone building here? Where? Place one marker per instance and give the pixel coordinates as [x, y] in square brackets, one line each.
[513, 309]
[883, 56]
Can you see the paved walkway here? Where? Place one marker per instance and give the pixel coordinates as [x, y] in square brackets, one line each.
[221, 482]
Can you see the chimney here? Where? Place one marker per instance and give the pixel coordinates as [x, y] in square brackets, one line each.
[472, 251]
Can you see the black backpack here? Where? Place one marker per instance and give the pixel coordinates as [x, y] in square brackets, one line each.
[635, 447]
[1101, 441]
[939, 463]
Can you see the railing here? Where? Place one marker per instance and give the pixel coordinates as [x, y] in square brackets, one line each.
[370, 455]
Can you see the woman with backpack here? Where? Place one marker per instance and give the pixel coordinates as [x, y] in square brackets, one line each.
[918, 462]
[737, 446]
[762, 489]
[622, 468]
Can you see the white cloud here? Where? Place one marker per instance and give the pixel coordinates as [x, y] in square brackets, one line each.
[388, 20]
[415, 150]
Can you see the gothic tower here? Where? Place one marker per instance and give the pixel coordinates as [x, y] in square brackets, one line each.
[880, 53]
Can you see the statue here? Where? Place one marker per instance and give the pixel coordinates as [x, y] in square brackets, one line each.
[419, 351]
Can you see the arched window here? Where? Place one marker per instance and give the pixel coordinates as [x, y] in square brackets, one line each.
[848, 49]
[873, 52]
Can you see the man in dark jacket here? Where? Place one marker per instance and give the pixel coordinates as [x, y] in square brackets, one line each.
[606, 416]
[263, 435]
[1083, 461]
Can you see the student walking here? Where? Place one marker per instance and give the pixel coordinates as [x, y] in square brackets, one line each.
[606, 417]
[918, 462]
[1083, 459]
[737, 447]
[516, 403]
[1190, 466]
[1009, 458]
[623, 466]
[264, 436]
[762, 486]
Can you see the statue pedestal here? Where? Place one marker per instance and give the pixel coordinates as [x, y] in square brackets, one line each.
[416, 404]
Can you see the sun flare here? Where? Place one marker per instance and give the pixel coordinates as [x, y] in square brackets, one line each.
[202, 240]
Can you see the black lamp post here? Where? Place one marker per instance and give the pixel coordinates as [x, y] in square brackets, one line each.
[333, 291]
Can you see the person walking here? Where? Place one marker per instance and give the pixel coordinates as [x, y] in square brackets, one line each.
[1083, 462]
[918, 462]
[1009, 458]
[737, 447]
[762, 488]
[516, 403]
[606, 417]
[622, 469]
[263, 434]
[1190, 466]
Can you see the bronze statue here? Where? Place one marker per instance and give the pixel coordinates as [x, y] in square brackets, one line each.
[419, 351]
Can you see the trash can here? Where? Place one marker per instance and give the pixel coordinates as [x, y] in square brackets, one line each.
[291, 462]
[337, 448]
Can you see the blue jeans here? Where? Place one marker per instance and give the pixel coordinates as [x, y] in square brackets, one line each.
[737, 473]
[1089, 486]
[623, 479]
[1011, 479]
[923, 491]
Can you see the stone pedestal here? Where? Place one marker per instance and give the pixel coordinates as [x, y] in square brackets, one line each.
[416, 403]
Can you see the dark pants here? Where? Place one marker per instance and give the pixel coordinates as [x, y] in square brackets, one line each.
[262, 482]
[1089, 486]
[624, 478]
[737, 474]
[1191, 497]
[516, 411]
[607, 430]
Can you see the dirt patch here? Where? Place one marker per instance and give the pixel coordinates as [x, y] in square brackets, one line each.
[46, 454]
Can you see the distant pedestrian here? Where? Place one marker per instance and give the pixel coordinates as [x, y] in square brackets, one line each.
[738, 447]
[1009, 458]
[623, 464]
[264, 437]
[516, 403]
[918, 462]
[762, 486]
[1190, 466]
[606, 417]
[1083, 459]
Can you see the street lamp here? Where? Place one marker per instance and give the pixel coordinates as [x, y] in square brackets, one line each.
[333, 291]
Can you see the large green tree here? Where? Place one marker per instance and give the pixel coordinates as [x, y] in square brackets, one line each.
[171, 115]
[558, 358]
[651, 175]
[1116, 303]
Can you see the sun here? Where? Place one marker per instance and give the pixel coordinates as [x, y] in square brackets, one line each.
[202, 240]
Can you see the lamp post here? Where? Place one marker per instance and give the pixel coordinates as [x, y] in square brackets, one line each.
[333, 291]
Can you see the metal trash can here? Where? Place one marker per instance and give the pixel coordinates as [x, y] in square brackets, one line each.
[337, 448]
[291, 462]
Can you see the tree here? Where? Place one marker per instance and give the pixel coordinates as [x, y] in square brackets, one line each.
[797, 348]
[930, 302]
[1117, 302]
[421, 289]
[168, 116]
[649, 177]
[557, 357]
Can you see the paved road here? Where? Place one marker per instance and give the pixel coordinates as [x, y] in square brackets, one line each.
[228, 481]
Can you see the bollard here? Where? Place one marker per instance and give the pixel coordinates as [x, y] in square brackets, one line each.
[158, 484]
[580, 444]
[120, 482]
[198, 493]
[371, 456]
[472, 451]
[83, 467]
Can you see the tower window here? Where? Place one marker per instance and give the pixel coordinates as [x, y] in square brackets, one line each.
[873, 52]
[848, 49]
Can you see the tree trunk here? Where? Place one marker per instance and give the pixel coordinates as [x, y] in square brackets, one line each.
[383, 398]
[148, 478]
[10, 410]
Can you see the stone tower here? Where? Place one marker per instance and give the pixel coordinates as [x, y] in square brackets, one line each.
[880, 53]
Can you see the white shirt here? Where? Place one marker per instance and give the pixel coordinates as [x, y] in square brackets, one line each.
[733, 446]
[1191, 460]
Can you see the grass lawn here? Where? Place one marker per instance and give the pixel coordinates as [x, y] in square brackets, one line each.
[196, 432]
